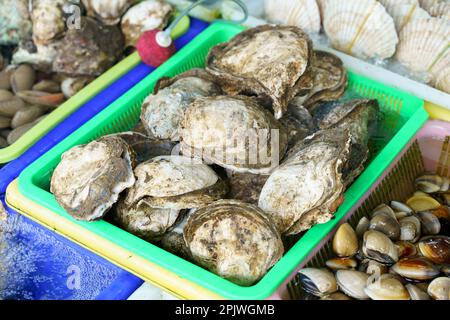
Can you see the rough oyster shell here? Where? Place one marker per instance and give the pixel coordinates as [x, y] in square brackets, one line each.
[41, 57]
[404, 12]
[361, 28]
[144, 221]
[301, 13]
[235, 240]
[108, 11]
[268, 61]
[173, 241]
[163, 111]
[146, 15]
[90, 50]
[89, 178]
[15, 22]
[175, 182]
[307, 188]
[245, 186]
[298, 122]
[233, 132]
[48, 20]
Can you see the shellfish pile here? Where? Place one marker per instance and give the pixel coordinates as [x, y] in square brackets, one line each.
[190, 179]
[55, 48]
[412, 32]
[399, 251]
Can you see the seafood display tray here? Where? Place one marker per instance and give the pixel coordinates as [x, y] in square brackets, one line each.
[86, 95]
[49, 262]
[403, 116]
[135, 72]
[428, 151]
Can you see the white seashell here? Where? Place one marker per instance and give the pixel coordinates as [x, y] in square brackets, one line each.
[146, 15]
[403, 13]
[108, 11]
[48, 20]
[301, 13]
[441, 10]
[428, 4]
[362, 28]
[425, 47]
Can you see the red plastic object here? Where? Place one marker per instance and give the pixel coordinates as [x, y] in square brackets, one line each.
[151, 52]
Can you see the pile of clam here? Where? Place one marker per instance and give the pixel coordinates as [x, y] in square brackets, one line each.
[415, 33]
[58, 47]
[169, 182]
[400, 251]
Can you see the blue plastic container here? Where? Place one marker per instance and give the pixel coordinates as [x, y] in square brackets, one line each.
[12, 170]
[39, 264]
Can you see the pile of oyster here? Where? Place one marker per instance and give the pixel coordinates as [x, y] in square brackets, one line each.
[399, 251]
[51, 49]
[228, 160]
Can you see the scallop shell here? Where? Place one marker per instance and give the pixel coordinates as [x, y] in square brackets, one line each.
[89, 178]
[235, 240]
[243, 65]
[146, 15]
[233, 132]
[304, 14]
[361, 28]
[424, 46]
[108, 11]
[48, 20]
[428, 4]
[163, 111]
[175, 182]
[441, 10]
[404, 12]
[307, 188]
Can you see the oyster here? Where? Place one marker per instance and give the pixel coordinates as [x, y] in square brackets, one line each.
[175, 182]
[108, 11]
[48, 20]
[90, 50]
[268, 61]
[299, 124]
[15, 22]
[173, 240]
[146, 15]
[144, 221]
[89, 178]
[245, 186]
[301, 13]
[233, 132]
[163, 111]
[235, 240]
[41, 57]
[307, 188]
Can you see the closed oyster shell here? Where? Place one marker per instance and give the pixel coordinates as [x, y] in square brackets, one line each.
[268, 61]
[307, 188]
[246, 186]
[144, 16]
[233, 132]
[235, 240]
[301, 13]
[90, 50]
[298, 123]
[15, 22]
[48, 20]
[108, 11]
[89, 178]
[175, 182]
[163, 111]
[173, 240]
[144, 221]
[361, 28]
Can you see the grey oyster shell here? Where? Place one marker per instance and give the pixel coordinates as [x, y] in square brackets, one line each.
[144, 16]
[267, 60]
[307, 188]
[175, 182]
[163, 111]
[173, 240]
[299, 124]
[233, 132]
[89, 178]
[245, 186]
[15, 22]
[144, 221]
[108, 11]
[48, 20]
[235, 240]
[90, 50]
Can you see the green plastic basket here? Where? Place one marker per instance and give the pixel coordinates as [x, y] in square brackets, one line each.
[403, 117]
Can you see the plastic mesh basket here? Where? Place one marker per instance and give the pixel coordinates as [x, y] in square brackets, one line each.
[428, 151]
[403, 115]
